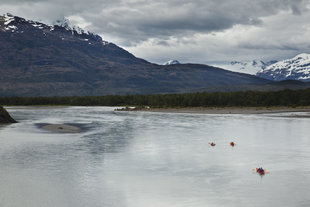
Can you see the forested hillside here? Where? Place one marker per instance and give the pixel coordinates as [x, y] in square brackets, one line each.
[217, 99]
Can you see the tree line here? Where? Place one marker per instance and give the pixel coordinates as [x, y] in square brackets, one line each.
[291, 98]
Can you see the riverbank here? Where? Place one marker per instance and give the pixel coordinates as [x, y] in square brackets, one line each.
[224, 110]
[5, 117]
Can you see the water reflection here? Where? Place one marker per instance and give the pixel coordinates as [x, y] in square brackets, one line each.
[3, 126]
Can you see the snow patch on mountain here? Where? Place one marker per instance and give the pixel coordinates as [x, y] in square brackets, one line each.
[297, 68]
[8, 18]
[37, 24]
[172, 62]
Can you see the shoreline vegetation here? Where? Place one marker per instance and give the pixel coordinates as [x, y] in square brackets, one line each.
[217, 102]
[224, 110]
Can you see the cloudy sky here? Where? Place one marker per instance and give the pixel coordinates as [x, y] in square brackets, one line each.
[200, 31]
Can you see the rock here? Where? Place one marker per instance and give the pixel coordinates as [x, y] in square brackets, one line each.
[5, 116]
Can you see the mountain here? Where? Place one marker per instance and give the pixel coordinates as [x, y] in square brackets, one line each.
[172, 62]
[297, 68]
[37, 59]
[248, 67]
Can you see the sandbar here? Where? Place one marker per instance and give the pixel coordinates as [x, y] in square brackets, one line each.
[61, 128]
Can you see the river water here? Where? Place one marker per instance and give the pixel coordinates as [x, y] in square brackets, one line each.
[144, 159]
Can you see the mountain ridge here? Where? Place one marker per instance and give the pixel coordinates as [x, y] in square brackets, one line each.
[296, 68]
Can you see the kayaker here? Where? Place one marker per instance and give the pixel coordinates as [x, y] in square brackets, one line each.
[212, 144]
[260, 170]
[232, 144]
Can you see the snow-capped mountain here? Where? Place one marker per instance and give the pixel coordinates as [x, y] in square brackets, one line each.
[249, 67]
[297, 68]
[18, 25]
[172, 62]
[65, 23]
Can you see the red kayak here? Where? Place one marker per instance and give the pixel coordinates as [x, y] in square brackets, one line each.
[260, 171]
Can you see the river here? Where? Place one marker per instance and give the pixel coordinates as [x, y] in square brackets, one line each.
[145, 159]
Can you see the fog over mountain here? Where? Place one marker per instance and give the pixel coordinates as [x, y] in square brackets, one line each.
[249, 67]
[193, 31]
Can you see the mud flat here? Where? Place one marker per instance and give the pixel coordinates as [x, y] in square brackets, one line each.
[61, 128]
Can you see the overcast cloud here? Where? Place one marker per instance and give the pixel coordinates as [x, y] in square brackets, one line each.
[191, 31]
